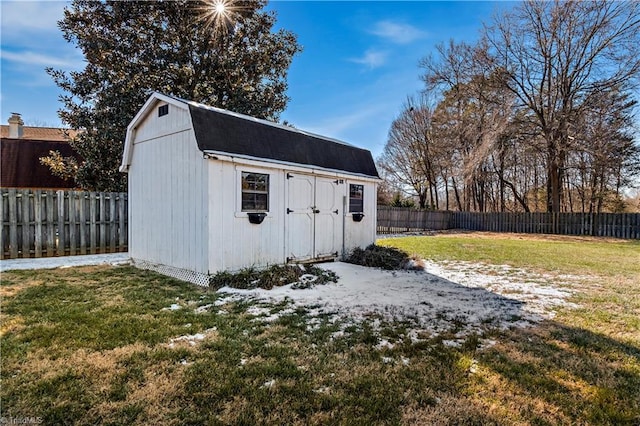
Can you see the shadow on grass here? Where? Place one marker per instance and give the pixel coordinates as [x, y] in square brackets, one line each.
[76, 326]
[557, 374]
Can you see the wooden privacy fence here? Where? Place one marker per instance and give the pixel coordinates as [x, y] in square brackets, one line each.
[42, 223]
[617, 225]
[399, 219]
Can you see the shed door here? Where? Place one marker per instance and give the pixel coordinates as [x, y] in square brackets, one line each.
[314, 217]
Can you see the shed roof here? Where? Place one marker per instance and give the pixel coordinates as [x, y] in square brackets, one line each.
[219, 131]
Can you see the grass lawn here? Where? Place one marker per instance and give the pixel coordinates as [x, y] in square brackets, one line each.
[116, 345]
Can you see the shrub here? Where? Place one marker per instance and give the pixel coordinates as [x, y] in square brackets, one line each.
[301, 276]
[389, 258]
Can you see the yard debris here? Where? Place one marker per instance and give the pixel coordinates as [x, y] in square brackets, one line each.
[293, 276]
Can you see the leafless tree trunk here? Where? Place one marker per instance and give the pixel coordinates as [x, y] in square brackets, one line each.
[557, 56]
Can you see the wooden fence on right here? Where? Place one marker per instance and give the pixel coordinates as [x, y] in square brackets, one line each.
[617, 225]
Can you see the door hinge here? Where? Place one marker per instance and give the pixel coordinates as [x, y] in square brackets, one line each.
[289, 175]
[338, 181]
[336, 211]
[289, 210]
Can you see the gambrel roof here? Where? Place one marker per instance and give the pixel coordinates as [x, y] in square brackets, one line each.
[218, 131]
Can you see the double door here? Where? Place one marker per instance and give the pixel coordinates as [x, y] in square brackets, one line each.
[313, 224]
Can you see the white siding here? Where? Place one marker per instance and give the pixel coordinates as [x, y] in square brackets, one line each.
[363, 233]
[152, 126]
[234, 242]
[168, 194]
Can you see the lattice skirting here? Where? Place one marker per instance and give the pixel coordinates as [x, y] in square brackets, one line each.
[171, 271]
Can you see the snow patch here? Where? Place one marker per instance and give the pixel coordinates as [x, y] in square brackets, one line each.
[269, 384]
[191, 339]
[463, 297]
[173, 307]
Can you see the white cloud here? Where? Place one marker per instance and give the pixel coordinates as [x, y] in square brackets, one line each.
[398, 33]
[341, 123]
[21, 16]
[372, 58]
[40, 60]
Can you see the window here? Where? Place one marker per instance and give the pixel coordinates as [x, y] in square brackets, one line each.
[356, 193]
[255, 192]
[163, 110]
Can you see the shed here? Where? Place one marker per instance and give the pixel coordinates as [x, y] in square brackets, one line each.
[211, 190]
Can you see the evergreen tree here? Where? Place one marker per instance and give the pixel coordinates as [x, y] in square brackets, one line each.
[221, 53]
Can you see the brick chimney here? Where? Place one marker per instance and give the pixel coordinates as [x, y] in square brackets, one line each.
[15, 126]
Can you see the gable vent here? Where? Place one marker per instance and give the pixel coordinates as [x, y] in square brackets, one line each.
[163, 110]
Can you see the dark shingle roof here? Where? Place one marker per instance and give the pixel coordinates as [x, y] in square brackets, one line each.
[225, 132]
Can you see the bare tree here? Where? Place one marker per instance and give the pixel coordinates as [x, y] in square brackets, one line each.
[556, 58]
[410, 157]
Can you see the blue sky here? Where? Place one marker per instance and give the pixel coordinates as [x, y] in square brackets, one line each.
[359, 64]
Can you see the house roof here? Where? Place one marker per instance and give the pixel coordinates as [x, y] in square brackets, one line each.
[225, 132]
[21, 166]
[41, 133]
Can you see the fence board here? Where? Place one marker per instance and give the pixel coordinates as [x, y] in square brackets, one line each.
[72, 222]
[61, 223]
[122, 228]
[103, 222]
[37, 219]
[82, 210]
[50, 224]
[617, 225]
[112, 223]
[93, 225]
[13, 223]
[57, 223]
[26, 224]
[3, 235]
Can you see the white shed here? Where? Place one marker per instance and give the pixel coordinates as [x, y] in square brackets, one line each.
[212, 190]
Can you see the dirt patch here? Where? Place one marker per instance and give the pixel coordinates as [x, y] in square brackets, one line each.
[15, 285]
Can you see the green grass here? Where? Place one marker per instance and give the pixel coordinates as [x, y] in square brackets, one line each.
[553, 254]
[92, 345]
